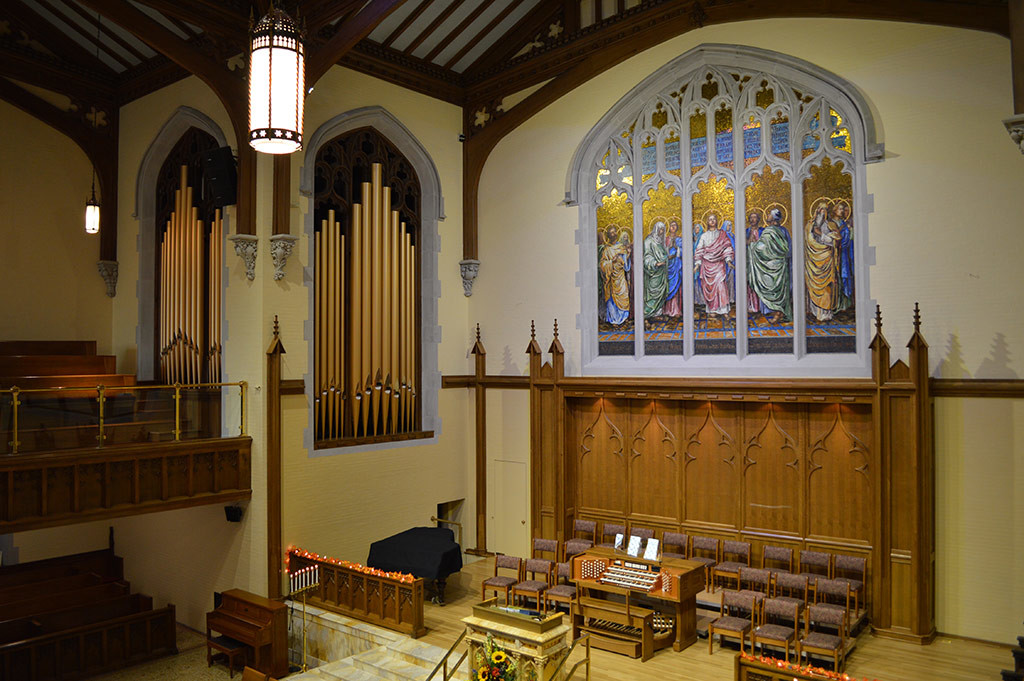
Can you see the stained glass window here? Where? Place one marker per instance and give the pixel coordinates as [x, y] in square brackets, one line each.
[732, 258]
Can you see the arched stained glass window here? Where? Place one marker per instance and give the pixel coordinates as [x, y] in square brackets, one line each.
[751, 256]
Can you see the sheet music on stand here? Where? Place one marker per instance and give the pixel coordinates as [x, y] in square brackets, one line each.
[651, 550]
[634, 546]
[618, 542]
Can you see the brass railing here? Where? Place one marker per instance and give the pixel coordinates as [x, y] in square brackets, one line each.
[101, 393]
[442, 664]
[586, 660]
[435, 519]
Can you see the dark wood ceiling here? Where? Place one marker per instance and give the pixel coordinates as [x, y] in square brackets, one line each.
[452, 49]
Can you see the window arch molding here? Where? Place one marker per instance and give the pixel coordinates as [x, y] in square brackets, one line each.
[432, 211]
[181, 120]
[640, 104]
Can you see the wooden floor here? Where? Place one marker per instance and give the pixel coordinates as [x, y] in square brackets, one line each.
[873, 658]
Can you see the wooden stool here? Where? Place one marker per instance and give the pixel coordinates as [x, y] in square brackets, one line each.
[229, 647]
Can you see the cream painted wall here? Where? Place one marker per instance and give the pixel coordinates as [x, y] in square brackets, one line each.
[44, 183]
[945, 227]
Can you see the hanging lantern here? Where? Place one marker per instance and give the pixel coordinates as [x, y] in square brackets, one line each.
[92, 213]
[276, 84]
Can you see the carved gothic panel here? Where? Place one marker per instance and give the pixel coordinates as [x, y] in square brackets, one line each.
[601, 452]
[839, 474]
[772, 469]
[654, 462]
[711, 473]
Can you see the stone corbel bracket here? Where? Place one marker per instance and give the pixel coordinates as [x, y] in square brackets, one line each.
[108, 270]
[1015, 126]
[245, 248]
[469, 268]
[281, 246]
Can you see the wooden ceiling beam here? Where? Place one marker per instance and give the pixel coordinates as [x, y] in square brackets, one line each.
[407, 22]
[353, 30]
[320, 13]
[446, 40]
[48, 74]
[149, 76]
[86, 34]
[405, 71]
[438, 20]
[124, 44]
[513, 6]
[49, 35]
[98, 144]
[536, 21]
[218, 18]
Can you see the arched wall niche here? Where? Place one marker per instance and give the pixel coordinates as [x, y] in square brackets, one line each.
[145, 212]
[432, 211]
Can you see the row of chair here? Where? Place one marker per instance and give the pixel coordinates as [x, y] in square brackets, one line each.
[776, 622]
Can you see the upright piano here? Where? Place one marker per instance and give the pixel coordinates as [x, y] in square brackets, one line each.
[259, 623]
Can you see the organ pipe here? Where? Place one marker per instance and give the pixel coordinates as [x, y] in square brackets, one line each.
[364, 302]
[190, 286]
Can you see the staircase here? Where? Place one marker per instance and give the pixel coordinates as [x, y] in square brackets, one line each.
[402, 660]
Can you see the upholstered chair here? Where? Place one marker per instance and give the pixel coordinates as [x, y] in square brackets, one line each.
[819, 623]
[780, 625]
[542, 572]
[677, 541]
[739, 615]
[735, 555]
[503, 582]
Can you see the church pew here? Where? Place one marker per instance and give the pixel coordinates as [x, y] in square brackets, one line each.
[47, 347]
[47, 587]
[102, 562]
[43, 604]
[91, 649]
[56, 365]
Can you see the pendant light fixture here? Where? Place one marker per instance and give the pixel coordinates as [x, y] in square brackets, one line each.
[277, 73]
[92, 206]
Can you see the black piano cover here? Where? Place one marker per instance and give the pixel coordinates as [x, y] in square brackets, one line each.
[428, 552]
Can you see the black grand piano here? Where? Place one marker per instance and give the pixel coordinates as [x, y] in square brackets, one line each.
[427, 552]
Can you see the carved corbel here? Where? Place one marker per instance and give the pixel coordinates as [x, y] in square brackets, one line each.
[245, 248]
[1015, 126]
[469, 268]
[281, 246]
[108, 270]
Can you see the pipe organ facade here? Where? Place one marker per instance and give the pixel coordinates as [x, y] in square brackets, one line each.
[191, 257]
[366, 357]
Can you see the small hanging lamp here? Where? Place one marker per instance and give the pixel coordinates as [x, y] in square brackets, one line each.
[277, 74]
[92, 210]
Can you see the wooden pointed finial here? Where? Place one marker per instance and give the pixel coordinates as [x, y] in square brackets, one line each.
[878, 318]
[556, 328]
[533, 331]
[277, 328]
[917, 317]
[478, 332]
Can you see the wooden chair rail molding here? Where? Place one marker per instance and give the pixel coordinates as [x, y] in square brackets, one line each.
[839, 465]
[79, 485]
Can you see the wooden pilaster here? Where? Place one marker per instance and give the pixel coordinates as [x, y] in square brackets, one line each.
[480, 358]
[274, 548]
[1016, 9]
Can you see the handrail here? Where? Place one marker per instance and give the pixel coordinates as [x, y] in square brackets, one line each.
[585, 660]
[435, 519]
[443, 662]
[17, 394]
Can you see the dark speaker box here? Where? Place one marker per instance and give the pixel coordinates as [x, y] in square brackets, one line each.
[233, 514]
[219, 168]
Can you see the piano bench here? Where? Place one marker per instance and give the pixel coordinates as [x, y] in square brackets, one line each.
[227, 646]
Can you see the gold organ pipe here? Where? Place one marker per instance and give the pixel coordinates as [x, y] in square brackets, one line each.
[385, 309]
[339, 326]
[318, 320]
[411, 340]
[364, 364]
[332, 317]
[397, 278]
[355, 318]
[331, 291]
[376, 317]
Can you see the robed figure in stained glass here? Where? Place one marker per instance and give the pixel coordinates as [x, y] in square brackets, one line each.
[655, 270]
[822, 263]
[712, 258]
[674, 246]
[841, 216]
[615, 265]
[769, 271]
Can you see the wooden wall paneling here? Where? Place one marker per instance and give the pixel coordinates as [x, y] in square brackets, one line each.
[713, 465]
[653, 470]
[773, 469]
[839, 489]
[601, 459]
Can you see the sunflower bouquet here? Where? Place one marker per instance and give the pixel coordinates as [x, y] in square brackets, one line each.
[493, 663]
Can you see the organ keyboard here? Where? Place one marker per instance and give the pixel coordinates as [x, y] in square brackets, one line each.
[259, 623]
[623, 602]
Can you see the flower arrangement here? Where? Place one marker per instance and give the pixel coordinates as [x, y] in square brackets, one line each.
[493, 663]
[349, 565]
[806, 670]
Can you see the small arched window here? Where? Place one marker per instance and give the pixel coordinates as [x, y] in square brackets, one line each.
[723, 219]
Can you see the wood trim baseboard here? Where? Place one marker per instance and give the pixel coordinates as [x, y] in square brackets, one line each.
[1007, 389]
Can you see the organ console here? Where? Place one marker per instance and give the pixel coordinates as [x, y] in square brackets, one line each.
[259, 623]
[635, 606]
